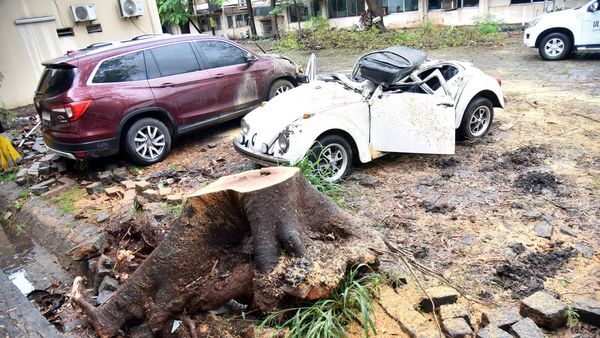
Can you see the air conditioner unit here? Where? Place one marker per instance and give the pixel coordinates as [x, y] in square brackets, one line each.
[131, 8]
[82, 13]
[448, 5]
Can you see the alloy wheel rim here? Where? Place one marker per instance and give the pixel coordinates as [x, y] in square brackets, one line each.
[480, 119]
[333, 162]
[554, 47]
[282, 90]
[149, 142]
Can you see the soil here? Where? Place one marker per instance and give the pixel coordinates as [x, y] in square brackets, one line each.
[469, 216]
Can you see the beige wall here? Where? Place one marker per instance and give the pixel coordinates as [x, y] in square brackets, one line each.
[24, 47]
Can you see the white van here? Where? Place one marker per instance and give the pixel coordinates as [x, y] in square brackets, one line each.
[556, 34]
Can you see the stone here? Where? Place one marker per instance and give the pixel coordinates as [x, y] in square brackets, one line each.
[157, 210]
[102, 216]
[174, 199]
[543, 229]
[584, 250]
[440, 295]
[42, 187]
[517, 247]
[493, 332]
[139, 201]
[457, 328]
[22, 173]
[119, 174]
[88, 248]
[502, 317]
[105, 177]
[369, 181]
[403, 312]
[151, 195]
[128, 184]
[212, 145]
[545, 310]
[568, 231]
[44, 169]
[104, 296]
[467, 239]
[588, 310]
[526, 328]
[140, 186]
[454, 311]
[164, 191]
[108, 284]
[114, 192]
[94, 188]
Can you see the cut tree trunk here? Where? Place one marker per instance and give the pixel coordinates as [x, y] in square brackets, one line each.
[261, 237]
[375, 7]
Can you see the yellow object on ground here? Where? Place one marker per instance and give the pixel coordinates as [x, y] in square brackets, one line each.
[9, 155]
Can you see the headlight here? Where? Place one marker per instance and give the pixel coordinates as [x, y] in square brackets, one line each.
[283, 141]
[533, 22]
[245, 127]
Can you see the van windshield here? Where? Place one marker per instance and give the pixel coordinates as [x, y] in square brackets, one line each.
[55, 81]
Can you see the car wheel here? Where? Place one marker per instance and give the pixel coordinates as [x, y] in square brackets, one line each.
[278, 87]
[148, 141]
[555, 46]
[477, 119]
[332, 156]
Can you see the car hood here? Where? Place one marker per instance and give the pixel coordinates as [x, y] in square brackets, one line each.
[560, 15]
[316, 97]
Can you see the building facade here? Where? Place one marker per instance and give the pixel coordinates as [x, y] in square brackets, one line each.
[32, 31]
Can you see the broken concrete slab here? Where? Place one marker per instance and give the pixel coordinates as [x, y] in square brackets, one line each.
[114, 192]
[151, 195]
[526, 328]
[42, 187]
[502, 317]
[108, 284]
[454, 311]
[543, 229]
[174, 199]
[102, 217]
[157, 210]
[567, 230]
[440, 295]
[493, 332]
[140, 186]
[165, 191]
[588, 310]
[91, 247]
[457, 328]
[128, 184]
[119, 174]
[545, 310]
[94, 188]
[411, 321]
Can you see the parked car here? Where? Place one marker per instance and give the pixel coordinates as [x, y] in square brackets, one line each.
[556, 34]
[138, 95]
[394, 101]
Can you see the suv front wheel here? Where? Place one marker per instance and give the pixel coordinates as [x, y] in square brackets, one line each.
[555, 46]
[147, 141]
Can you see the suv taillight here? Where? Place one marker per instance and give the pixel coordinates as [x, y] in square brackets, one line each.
[73, 110]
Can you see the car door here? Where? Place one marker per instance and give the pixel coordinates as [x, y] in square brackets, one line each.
[240, 83]
[407, 122]
[590, 30]
[182, 86]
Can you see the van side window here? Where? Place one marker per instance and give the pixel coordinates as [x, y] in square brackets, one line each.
[124, 68]
[221, 54]
[175, 59]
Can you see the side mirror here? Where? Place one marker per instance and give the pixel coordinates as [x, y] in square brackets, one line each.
[250, 58]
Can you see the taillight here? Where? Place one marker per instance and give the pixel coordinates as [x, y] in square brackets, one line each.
[499, 80]
[73, 110]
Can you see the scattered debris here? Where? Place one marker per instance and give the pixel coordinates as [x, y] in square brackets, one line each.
[543, 229]
[491, 331]
[502, 317]
[544, 310]
[457, 328]
[526, 328]
[535, 182]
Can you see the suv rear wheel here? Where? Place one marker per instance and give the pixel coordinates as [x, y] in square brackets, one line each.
[555, 46]
[147, 141]
[278, 87]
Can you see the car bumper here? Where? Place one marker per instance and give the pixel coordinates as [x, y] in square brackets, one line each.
[82, 150]
[258, 157]
[529, 37]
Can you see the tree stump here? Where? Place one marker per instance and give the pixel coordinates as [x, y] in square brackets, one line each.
[261, 237]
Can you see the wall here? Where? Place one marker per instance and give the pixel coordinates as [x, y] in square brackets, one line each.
[24, 47]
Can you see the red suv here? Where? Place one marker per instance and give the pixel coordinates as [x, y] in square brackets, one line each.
[137, 95]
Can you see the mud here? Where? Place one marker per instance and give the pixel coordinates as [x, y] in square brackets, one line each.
[526, 275]
[536, 182]
[524, 157]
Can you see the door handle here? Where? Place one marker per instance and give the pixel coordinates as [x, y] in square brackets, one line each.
[445, 104]
[220, 75]
[166, 84]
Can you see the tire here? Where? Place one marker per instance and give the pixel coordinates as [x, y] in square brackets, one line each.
[333, 157]
[155, 148]
[555, 46]
[278, 87]
[477, 119]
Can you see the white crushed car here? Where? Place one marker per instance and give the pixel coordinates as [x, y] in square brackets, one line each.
[395, 100]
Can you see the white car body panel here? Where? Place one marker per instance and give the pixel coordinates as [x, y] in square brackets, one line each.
[579, 21]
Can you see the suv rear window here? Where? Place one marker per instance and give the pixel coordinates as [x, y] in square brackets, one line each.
[55, 81]
[128, 67]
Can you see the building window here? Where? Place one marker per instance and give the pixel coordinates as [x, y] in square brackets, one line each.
[517, 2]
[262, 11]
[399, 6]
[230, 21]
[307, 10]
[345, 8]
[217, 20]
[453, 4]
[241, 20]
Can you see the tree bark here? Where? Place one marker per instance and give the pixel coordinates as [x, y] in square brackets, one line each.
[374, 6]
[274, 25]
[251, 18]
[259, 237]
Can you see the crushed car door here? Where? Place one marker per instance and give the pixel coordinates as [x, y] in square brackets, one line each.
[406, 122]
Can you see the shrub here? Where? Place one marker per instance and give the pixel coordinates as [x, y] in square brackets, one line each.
[487, 24]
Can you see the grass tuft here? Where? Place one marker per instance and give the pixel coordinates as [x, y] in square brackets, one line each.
[66, 200]
[309, 165]
[350, 303]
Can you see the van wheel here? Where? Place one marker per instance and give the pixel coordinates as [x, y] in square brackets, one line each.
[279, 87]
[332, 156]
[148, 141]
[477, 119]
[555, 46]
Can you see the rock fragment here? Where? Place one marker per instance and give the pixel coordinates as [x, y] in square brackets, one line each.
[526, 328]
[457, 328]
[544, 310]
[491, 331]
[588, 310]
[94, 188]
[543, 229]
[440, 295]
[454, 311]
[502, 317]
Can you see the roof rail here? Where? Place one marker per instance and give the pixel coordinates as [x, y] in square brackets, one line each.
[97, 45]
[146, 36]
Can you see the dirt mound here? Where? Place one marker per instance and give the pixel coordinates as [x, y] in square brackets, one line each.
[535, 182]
[527, 274]
[526, 156]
